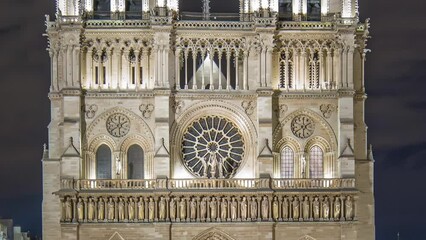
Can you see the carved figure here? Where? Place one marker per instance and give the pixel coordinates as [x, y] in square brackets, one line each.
[203, 206]
[326, 208]
[151, 210]
[275, 211]
[244, 208]
[101, 209]
[182, 206]
[68, 210]
[162, 210]
[296, 208]
[233, 209]
[141, 209]
[253, 208]
[285, 208]
[305, 207]
[224, 209]
[172, 208]
[213, 209]
[110, 209]
[90, 210]
[348, 208]
[316, 208]
[265, 208]
[193, 208]
[337, 207]
[80, 210]
[121, 210]
[213, 165]
[131, 209]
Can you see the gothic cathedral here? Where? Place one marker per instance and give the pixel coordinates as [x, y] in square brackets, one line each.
[207, 120]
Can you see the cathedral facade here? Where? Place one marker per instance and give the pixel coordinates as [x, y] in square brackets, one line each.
[241, 119]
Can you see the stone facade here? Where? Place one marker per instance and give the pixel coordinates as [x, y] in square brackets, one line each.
[168, 128]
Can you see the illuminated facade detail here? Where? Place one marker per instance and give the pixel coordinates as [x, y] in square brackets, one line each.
[173, 124]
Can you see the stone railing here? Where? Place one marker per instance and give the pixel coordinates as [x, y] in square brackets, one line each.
[214, 25]
[306, 25]
[335, 183]
[118, 23]
[200, 184]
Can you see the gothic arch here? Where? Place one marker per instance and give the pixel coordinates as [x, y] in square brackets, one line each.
[213, 234]
[307, 237]
[224, 109]
[148, 149]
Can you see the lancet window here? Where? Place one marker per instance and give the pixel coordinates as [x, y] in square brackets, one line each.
[135, 162]
[314, 69]
[285, 10]
[101, 9]
[286, 70]
[314, 10]
[133, 9]
[100, 59]
[316, 162]
[103, 162]
[287, 162]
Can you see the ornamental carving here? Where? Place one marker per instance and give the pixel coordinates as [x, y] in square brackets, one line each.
[212, 147]
[249, 107]
[283, 108]
[118, 125]
[178, 106]
[146, 110]
[302, 126]
[91, 110]
[327, 110]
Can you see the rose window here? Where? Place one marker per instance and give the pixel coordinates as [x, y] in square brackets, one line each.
[118, 125]
[212, 147]
[302, 126]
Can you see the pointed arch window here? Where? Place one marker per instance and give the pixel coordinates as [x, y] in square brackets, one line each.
[285, 10]
[314, 10]
[316, 159]
[103, 162]
[102, 9]
[287, 162]
[135, 162]
[133, 9]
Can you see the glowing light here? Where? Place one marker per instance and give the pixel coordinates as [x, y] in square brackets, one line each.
[62, 7]
[255, 5]
[114, 6]
[121, 6]
[88, 6]
[274, 5]
[145, 6]
[172, 4]
[265, 4]
[161, 3]
[324, 7]
[347, 9]
[297, 6]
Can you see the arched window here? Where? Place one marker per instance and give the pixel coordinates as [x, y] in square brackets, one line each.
[314, 10]
[316, 159]
[102, 9]
[133, 9]
[287, 162]
[135, 161]
[103, 162]
[285, 10]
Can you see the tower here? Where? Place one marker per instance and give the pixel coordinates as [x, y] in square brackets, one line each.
[173, 124]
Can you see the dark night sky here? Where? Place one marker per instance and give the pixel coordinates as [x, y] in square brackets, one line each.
[396, 112]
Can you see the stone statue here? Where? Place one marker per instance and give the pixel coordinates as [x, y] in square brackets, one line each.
[224, 209]
[141, 209]
[303, 160]
[244, 208]
[111, 209]
[80, 210]
[220, 169]
[305, 207]
[275, 210]
[203, 162]
[182, 206]
[265, 208]
[213, 165]
[68, 210]
[213, 209]
[285, 208]
[131, 209]
[151, 209]
[326, 208]
[316, 208]
[296, 208]
[101, 209]
[193, 208]
[233, 209]
[91, 210]
[172, 208]
[203, 206]
[253, 208]
[162, 210]
[337, 207]
[121, 209]
[348, 208]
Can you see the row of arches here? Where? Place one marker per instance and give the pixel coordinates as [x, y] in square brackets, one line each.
[312, 166]
[132, 165]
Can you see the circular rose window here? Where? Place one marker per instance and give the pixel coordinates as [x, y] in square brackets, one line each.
[212, 147]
